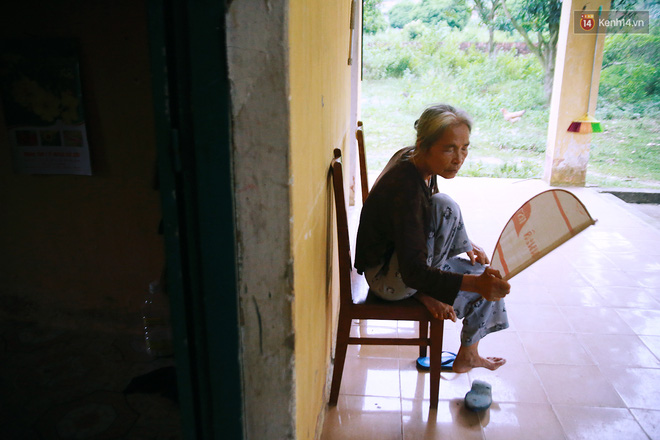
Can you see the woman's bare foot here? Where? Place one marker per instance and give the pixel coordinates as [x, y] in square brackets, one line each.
[468, 358]
[437, 308]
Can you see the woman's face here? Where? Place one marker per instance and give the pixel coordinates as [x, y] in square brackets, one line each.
[447, 154]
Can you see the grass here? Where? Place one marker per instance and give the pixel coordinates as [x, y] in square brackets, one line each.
[626, 154]
[394, 93]
[498, 148]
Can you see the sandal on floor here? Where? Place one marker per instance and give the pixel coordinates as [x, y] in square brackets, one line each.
[448, 359]
[424, 363]
[479, 397]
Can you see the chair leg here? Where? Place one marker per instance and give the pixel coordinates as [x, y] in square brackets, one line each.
[343, 333]
[437, 326]
[423, 334]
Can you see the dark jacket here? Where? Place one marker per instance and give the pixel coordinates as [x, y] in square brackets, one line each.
[395, 217]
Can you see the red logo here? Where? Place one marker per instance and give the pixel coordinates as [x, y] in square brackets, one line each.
[521, 216]
[587, 22]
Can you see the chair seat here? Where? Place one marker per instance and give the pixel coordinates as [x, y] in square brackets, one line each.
[369, 306]
[376, 308]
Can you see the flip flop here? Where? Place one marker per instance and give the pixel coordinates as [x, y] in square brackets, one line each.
[424, 363]
[448, 359]
[479, 397]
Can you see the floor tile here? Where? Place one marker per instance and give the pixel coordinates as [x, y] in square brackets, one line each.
[416, 385]
[643, 322]
[512, 383]
[602, 320]
[649, 421]
[451, 420]
[622, 245]
[577, 296]
[450, 339]
[628, 350]
[527, 277]
[587, 423]
[569, 275]
[555, 348]
[373, 329]
[648, 279]
[372, 351]
[638, 231]
[526, 317]
[371, 377]
[581, 385]
[508, 421]
[600, 234]
[628, 297]
[655, 293]
[593, 258]
[653, 343]
[522, 293]
[359, 417]
[639, 387]
[608, 278]
[505, 344]
[636, 261]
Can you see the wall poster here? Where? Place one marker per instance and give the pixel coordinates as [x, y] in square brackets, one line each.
[42, 102]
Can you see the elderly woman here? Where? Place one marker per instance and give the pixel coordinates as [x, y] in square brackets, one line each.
[410, 236]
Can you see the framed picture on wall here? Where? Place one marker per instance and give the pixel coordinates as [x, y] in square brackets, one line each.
[43, 107]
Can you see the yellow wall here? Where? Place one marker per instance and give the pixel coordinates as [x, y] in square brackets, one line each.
[320, 108]
[87, 242]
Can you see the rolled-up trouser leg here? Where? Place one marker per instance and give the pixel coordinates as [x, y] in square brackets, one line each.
[480, 317]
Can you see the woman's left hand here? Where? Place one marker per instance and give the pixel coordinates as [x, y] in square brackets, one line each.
[478, 255]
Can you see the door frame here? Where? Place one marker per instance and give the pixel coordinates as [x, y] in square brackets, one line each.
[192, 118]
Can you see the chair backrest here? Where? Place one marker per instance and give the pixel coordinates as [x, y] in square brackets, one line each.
[359, 135]
[343, 243]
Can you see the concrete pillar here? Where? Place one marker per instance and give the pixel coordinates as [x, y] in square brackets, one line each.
[257, 45]
[567, 153]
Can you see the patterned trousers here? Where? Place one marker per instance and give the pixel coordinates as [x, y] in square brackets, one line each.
[447, 239]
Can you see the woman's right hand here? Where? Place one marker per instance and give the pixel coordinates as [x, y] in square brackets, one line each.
[489, 285]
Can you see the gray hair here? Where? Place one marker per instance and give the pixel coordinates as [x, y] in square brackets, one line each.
[435, 120]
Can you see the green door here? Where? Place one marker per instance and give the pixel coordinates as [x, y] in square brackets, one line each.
[192, 123]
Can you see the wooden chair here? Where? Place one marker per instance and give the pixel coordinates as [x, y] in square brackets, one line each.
[374, 308]
[364, 180]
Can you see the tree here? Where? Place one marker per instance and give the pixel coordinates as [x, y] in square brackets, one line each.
[541, 19]
[490, 14]
[402, 13]
[372, 19]
[455, 13]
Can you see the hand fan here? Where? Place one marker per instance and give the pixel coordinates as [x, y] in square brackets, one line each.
[544, 222]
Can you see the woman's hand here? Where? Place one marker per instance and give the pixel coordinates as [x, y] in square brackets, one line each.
[478, 255]
[489, 285]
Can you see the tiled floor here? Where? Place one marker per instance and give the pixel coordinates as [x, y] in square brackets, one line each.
[583, 349]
